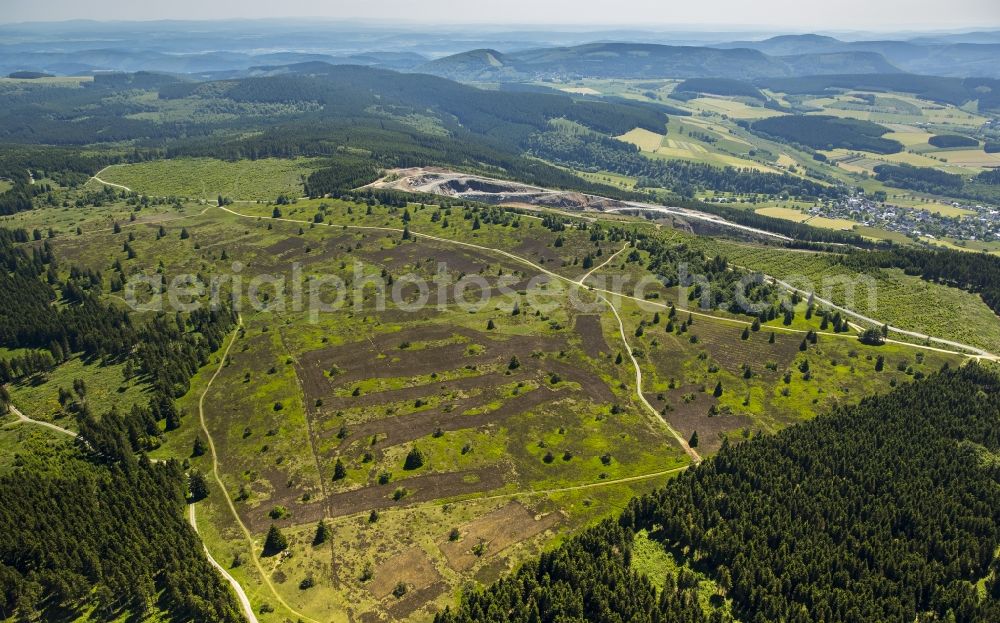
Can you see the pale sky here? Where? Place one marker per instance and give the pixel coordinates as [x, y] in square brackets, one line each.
[793, 15]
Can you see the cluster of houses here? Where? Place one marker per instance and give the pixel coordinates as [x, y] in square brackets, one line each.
[983, 224]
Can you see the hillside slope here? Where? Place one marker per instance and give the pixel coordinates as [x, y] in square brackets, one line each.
[638, 61]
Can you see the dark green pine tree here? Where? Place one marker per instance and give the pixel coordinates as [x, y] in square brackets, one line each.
[276, 542]
[197, 486]
[323, 533]
[173, 420]
[339, 471]
[414, 459]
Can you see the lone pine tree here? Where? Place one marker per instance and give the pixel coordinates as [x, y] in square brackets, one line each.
[276, 542]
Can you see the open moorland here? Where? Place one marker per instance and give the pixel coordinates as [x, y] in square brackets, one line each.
[523, 410]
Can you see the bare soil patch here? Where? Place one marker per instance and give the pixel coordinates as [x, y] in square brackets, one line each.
[415, 600]
[419, 489]
[588, 327]
[404, 428]
[411, 567]
[693, 416]
[381, 357]
[496, 532]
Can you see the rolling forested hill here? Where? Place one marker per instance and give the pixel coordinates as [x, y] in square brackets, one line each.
[352, 114]
[631, 60]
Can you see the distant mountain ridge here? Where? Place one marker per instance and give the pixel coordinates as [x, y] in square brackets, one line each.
[217, 50]
[206, 63]
[976, 58]
[645, 60]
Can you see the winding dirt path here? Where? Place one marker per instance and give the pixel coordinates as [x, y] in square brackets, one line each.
[691, 452]
[695, 457]
[602, 265]
[21, 417]
[222, 486]
[244, 600]
[97, 178]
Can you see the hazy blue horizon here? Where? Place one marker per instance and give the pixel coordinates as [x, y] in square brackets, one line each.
[798, 16]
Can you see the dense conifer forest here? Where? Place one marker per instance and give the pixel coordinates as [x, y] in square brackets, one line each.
[109, 534]
[104, 527]
[828, 132]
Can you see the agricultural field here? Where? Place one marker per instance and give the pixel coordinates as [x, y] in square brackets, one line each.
[643, 139]
[863, 162]
[963, 245]
[731, 108]
[910, 136]
[790, 214]
[697, 141]
[842, 224]
[969, 158]
[580, 90]
[896, 108]
[798, 215]
[611, 179]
